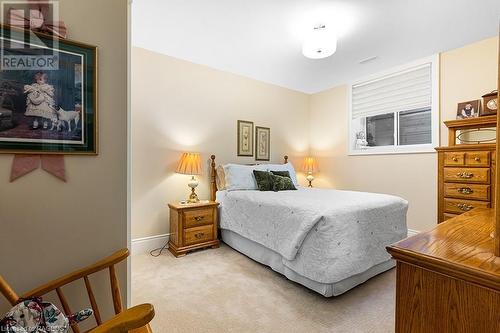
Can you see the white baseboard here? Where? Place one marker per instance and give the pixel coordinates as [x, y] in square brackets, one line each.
[146, 244]
[412, 232]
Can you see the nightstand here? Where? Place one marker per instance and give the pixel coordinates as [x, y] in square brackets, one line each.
[192, 226]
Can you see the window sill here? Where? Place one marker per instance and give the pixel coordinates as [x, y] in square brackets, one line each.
[398, 151]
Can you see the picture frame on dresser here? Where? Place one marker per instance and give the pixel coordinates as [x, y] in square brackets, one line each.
[469, 109]
[48, 94]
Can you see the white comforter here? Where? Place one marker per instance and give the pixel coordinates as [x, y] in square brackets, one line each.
[325, 235]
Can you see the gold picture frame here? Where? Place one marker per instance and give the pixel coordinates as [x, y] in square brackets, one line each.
[245, 138]
[262, 143]
[55, 138]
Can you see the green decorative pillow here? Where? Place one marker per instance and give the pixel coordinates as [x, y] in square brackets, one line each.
[281, 183]
[281, 173]
[264, 180]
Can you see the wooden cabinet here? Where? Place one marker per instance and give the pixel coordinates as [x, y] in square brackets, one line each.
[192, 226]
[466, 172]
[465, 179]
[448, 278]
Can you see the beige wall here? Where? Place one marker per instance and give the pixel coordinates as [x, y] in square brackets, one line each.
[180, 106]
[466, 73]
[49, 227]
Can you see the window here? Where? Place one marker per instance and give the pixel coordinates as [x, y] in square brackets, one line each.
[395, 112]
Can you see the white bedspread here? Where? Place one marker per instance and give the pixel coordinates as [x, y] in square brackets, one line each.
[325, 235]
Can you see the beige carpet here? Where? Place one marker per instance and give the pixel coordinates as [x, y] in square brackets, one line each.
[223, 291]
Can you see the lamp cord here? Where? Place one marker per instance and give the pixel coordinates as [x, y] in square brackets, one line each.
[158, 250]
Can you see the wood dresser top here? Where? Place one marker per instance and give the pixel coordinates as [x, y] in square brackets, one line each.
[461, 247]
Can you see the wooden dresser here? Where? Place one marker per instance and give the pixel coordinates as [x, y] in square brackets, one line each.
[466, 172]
[192, 226]
[448, 278]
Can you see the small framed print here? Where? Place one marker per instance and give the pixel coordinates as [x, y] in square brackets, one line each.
[245, 138]
[468, 109]
[263, 143]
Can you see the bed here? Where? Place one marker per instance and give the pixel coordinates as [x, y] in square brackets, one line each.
[327, 240]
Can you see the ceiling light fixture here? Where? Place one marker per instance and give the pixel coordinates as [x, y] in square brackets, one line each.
[320, 43]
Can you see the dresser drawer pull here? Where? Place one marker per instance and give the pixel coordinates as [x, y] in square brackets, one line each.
[199, 218]
[477, 159]
[465, 174]
[454, 158]
[199, 235]
[464, 207]
[465, 190]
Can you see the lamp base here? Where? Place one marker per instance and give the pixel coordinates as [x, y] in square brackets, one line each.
[193, 197]
[310, 178]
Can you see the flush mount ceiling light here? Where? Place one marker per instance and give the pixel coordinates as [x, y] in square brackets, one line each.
[320, 43]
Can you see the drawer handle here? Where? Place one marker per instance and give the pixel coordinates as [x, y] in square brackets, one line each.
[465, 190]
[465, 174]
[199, 218]
[477, 159]
[454, 158]
[199, 235]
[465, 207]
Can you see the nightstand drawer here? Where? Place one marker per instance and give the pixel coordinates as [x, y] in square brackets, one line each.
[199, 234]
[198, 217]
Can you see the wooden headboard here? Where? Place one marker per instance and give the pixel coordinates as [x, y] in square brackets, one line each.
[213, 176]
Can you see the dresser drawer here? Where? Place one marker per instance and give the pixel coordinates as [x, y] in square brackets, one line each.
[195, 218]
[198, 234]
[447, 216]
[477, 158]
[451, 159]
[467, 191]
[461, 206]
[467, 175]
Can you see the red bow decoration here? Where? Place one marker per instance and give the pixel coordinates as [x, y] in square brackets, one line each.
[24, 164]
[37, 20]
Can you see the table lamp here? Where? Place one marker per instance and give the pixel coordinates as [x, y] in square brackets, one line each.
[190, 164]
[309, 167]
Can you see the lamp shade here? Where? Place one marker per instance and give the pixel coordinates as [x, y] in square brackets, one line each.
[189, 164]
[310, 165]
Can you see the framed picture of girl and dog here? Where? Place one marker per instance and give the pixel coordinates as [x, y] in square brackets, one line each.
[48, 101]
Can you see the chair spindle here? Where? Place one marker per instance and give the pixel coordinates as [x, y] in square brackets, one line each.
[115, 290]
[7, 291]
[66, 308]
[93, 302]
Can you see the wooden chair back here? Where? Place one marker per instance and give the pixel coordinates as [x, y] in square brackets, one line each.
[84, 273]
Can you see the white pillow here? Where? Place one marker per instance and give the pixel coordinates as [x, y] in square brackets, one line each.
[240, 177]
[284, 167]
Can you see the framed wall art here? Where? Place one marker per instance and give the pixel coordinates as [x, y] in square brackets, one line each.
[48, 101]
[245, 138]
[263, 143]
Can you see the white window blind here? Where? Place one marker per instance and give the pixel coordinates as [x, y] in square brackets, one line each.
[403, 91]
